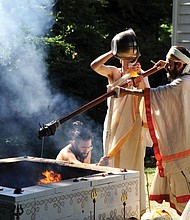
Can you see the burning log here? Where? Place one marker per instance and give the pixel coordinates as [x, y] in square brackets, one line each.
[50, 128]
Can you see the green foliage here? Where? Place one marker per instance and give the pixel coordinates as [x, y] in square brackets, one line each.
[83, 30]
[165, 31]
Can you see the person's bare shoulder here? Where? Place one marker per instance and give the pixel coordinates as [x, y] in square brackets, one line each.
[64, 153]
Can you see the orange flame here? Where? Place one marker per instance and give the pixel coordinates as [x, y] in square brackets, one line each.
[51, 177]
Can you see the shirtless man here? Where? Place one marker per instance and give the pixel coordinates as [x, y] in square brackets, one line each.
[79, 148]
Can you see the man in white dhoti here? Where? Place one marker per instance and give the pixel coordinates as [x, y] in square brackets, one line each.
[168, 117]
[124, 128]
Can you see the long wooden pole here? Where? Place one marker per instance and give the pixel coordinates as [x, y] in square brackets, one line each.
[49, 129]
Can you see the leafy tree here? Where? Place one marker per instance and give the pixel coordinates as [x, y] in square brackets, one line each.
[83, 30]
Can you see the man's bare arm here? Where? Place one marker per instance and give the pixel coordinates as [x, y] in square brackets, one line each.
[98, 65]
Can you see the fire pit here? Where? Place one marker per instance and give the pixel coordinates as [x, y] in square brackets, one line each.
[21, 173]
[74, 192]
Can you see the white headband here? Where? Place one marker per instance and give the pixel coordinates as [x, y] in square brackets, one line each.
[174, 51]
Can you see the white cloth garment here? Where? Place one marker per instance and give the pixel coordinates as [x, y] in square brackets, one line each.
[124, 136]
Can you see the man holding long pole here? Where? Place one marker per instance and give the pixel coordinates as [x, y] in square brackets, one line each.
[124, 127]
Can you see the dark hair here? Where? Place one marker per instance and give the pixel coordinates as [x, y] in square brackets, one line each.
[81, 132]
[183, 50]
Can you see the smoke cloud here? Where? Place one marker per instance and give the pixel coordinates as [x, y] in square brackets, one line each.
[26, 98]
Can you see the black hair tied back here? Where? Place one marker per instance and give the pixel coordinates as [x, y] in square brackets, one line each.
[81, 132]
[78, 125]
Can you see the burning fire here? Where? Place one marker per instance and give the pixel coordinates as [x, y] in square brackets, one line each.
[51, 177]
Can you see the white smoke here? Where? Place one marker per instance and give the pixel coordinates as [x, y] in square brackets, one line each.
[23, 67]
[25, 94]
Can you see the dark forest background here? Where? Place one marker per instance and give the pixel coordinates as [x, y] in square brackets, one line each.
[82, 30]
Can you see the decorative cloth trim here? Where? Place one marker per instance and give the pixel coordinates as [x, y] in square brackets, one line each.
[182, 199]
[160, 198]
[166, 197]
[114, 150]
[176, 156]
[152, 132]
